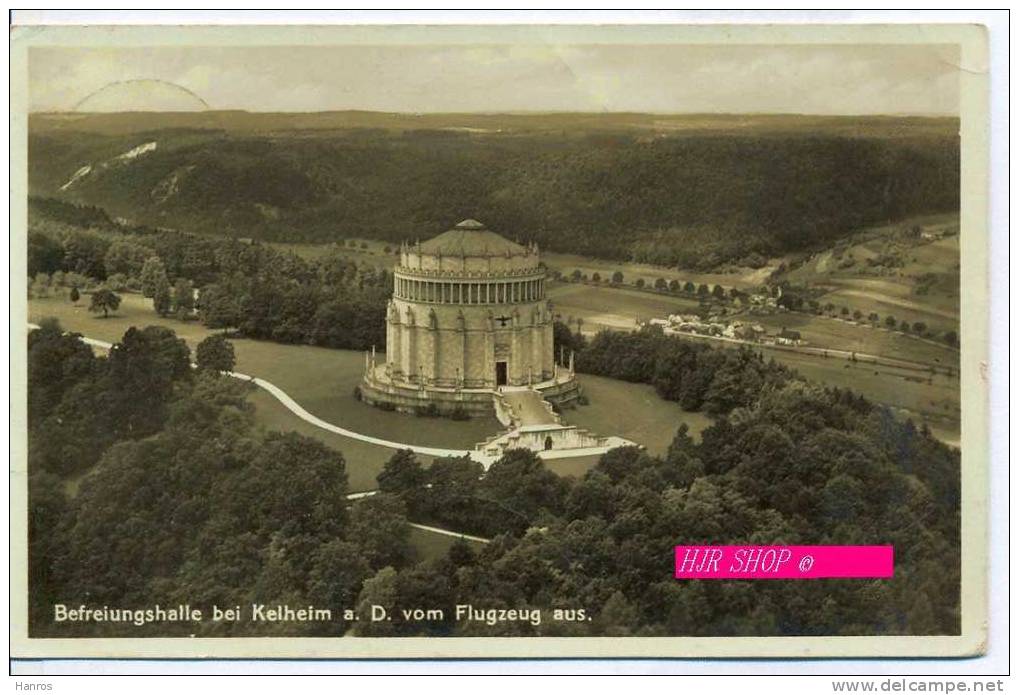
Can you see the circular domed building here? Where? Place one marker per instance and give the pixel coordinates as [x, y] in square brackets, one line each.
[468, 319]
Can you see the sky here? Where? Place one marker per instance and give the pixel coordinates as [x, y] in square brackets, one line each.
[808, 79]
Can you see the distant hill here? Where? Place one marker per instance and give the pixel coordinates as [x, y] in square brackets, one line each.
[687, 190]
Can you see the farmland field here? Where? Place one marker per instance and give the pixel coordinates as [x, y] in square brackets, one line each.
[612, 307]
[917, 394]
[822, 331]
[746, 278]
[892, 271]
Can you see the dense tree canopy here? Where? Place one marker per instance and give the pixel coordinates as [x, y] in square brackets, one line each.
[693, 199]
[187, 501]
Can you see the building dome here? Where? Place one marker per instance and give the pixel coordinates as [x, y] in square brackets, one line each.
[471, 238]
[468, 314]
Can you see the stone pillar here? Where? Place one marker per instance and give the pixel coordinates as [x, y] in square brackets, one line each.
[489, 352]
[393, 340]
[518, 356]
[433, 347]
[409, 354]
[537, 344]
[461, 339]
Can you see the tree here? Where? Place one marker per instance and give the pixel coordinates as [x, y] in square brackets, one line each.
[84, 253]
[674, 285]
[576, 275]
[873, 318]
[378, 525]
[117, 282]
[162, 298]
[904, 326]
[183, 298]
[519, 481]
[153, 273]
[104, 300]
[403, 476]
[718, 292]
[857, 315]
[951, 338]
[890, 321]
[920, 328]
[689, 287]
[126, 258]
[639, 282]
[617, 278]
[661, 285]
[45, 254]
[702, 290]
[216, 354]
[596, 277]
[75, 295]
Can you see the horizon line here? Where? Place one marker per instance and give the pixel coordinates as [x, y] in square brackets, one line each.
[900, 114]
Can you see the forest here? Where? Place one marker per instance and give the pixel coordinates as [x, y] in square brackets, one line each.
[245, 287]
[186, 501]
[694, 200]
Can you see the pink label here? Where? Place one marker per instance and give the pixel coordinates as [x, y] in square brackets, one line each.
[784, 561]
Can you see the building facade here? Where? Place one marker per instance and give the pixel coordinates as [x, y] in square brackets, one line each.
[469, 316]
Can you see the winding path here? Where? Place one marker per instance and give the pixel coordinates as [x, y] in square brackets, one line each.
[295, 408]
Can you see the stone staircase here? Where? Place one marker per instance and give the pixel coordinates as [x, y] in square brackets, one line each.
[526, 407]
[532, 424]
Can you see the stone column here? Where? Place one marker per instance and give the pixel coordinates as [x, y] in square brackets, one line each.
[409, 353]
[489, 350]
[461, 339]
[393, 336]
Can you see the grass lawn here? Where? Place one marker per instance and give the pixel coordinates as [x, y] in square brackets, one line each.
[432, 546]
[322, 381]
[633, 411]
[364, 461]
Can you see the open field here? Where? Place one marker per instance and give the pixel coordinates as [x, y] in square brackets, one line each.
[374, 255]
[889, 271]
[822, 331]
[747, 278]
[921, 396]
[612, 307]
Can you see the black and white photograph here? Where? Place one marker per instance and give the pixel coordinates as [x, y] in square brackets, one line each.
[583, 341]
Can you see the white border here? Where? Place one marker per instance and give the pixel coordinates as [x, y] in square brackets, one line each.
[996, 660]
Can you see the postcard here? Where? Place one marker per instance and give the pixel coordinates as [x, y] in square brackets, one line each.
[654, 341]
